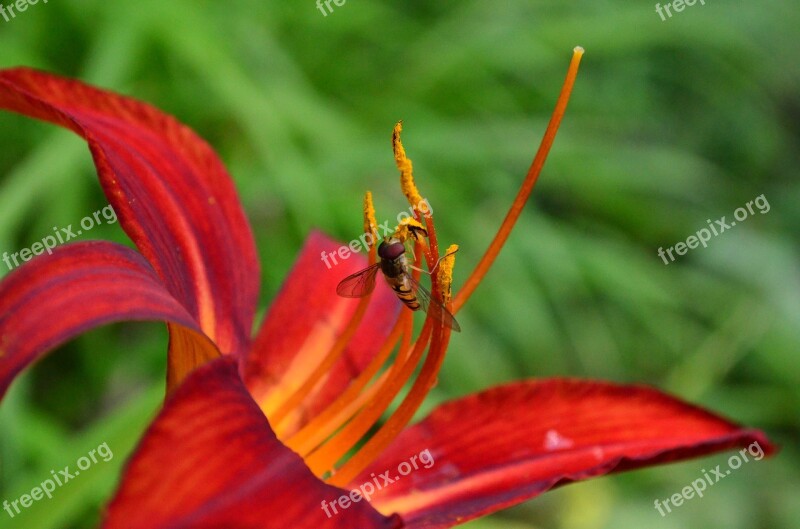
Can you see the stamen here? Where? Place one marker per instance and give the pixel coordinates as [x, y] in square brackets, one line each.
[410, 229]
[405, 345]
[369, 406]
[370, 224]
[331, 418]
[422, 385]
[527, 186]
[406, 170]
[342, 408]
[446, 274]
[324, 458]
[411, 192]
[324, 367]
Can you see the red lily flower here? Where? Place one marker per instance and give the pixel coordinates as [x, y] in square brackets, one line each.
[256, 433]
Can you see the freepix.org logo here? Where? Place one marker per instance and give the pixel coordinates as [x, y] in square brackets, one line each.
[58, 479]
[365, 491]
[59, 236]
[718, 227]
[10, 11]
[366, 240]
[709, 479]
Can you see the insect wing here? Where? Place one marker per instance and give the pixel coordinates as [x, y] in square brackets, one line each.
[359, 284]
[433, 306]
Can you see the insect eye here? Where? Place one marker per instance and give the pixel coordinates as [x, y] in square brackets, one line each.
[391, 251]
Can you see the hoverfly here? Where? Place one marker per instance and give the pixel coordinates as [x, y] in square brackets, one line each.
[395, 267]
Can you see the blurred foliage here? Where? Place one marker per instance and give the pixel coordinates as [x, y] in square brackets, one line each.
[671, 123]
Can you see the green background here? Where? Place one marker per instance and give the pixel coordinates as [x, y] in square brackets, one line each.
[671, 123]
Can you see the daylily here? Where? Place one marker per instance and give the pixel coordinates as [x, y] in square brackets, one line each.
[267, 431]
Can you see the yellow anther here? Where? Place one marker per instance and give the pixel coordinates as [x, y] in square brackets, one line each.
[410, 229]
[445, 272]
[370, 224]
[406, 170]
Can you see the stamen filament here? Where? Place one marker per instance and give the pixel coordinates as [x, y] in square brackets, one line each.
[324, 424]
[388, 380]
[341, 416]
[527, 186]
[411, 403]
[324, 458]
[324, 367]
[333, 417]
[400, 418]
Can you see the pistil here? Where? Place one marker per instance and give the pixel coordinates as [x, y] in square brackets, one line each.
[525, 190]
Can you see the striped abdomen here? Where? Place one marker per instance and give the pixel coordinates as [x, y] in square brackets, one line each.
[402, 287]
[394, 270]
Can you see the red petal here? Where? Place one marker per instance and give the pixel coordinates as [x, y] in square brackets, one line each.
[80, 286]
[210, 460]
[171, 193]
[304, 321]
[511, 443]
